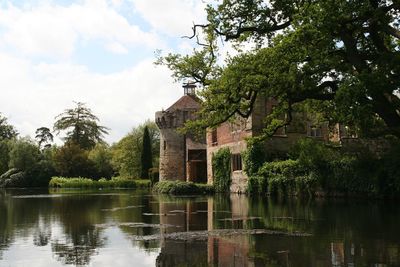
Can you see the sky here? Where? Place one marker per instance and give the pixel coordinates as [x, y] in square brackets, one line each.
[100, 52]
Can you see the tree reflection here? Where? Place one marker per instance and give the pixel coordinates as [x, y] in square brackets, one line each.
[79, 247]
[73, 228]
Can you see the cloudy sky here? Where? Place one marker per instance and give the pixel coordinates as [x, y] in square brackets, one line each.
[101, 52]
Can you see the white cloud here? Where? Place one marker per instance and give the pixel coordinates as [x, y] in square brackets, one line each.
[32, 95]
[117, 48]
[50, 30]
[172, 17]
[33, 92]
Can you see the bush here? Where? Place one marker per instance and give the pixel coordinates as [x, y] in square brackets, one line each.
[221, 165]
[182, 188]
[257, 185]
[389, 176]
[154, 175]
[116, 182]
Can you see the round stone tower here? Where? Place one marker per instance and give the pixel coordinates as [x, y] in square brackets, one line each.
[174, 146]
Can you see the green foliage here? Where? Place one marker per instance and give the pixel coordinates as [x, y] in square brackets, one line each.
[44, 136]
[115, 182]
[4, 155]
[257, 184]
[317, 168]
[7, 131]
[340, 56]
[73, 161]
[182, 188]
[24, 154]
[101, 156]
[154, 175]
[253, 158]
[81, 126]
[389, 182]
[12, 178]
[29, 167]
[126, 154]
[315, 155]
[221, 166]
[146, 156]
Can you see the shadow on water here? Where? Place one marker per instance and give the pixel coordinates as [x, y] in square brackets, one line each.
[99, 227]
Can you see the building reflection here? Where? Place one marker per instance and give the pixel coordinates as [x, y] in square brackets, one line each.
[236, 212]
[185, 216]
[203, 216]
[75, 229]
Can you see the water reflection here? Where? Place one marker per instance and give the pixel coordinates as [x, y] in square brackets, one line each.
[134, 227]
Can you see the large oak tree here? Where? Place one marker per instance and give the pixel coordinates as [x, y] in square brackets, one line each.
[340, 58]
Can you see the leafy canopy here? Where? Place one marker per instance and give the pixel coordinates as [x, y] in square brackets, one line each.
[339, 58]
[81, 126]
[44, 136]
[7, 131]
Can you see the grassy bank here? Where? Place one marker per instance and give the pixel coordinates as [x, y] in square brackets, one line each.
[116, 182]
[182, 188]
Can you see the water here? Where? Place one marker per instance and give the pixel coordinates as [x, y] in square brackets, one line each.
[136, 228]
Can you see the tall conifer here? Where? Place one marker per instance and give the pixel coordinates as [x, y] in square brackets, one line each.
[146, 157]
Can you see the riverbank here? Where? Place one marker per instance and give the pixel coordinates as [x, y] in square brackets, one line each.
[79, 182]
[317, 169]
[182, 188]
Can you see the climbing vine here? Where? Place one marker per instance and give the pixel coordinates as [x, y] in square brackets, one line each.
[253, 158]
[221, 164]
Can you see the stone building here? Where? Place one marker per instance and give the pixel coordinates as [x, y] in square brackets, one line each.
[233, 136]
[182, 157]
[186, 159]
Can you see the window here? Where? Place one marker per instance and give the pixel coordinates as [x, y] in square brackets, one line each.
[165, 145]
[236, 162]
[214, 137]
[315, 131]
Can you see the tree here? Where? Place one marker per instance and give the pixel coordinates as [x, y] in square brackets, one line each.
[7, 131]
[44, 136]
[339, 58]
[126, 154]
[101, 155]
[4, 155]
[24, 154]
[81, 126]
[72, 161]
[146, 155]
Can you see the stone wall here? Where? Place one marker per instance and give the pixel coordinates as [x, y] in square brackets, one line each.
[172, 155]
[239, 178]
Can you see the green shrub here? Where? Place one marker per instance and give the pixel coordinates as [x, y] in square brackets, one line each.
[115, 182]
[316, 166]
[182, 188]
[257, 185]
[154, 175]
[389, 176]
[221, 165]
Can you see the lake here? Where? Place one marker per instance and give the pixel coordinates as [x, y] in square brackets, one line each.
[137, 228]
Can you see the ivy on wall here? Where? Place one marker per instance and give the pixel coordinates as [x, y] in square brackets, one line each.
[221, 164]
[253, 158]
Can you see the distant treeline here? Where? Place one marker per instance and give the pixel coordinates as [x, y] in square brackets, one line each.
[28, 162]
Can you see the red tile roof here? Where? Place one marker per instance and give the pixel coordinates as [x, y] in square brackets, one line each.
[185, 102]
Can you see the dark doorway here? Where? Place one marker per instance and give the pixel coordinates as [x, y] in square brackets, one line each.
[197, 165]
